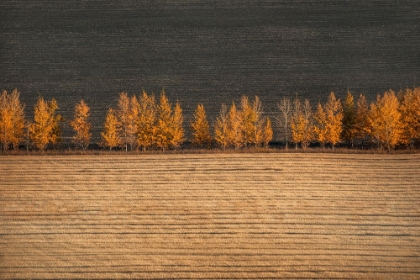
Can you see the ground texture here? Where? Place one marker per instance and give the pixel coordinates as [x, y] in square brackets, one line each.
[210, 216]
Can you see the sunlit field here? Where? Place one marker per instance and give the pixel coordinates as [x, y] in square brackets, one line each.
[210, 216]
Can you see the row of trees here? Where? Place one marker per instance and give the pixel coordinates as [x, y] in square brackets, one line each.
[136, 123]
[394, 119]
[243, 127]
[45, 128]
[143, 123]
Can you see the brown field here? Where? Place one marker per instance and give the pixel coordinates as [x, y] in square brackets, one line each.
[210, 216]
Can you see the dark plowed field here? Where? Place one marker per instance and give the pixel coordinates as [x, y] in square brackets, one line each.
[209, 52]
[210, 216]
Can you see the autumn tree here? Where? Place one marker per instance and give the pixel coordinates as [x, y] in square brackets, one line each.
[297, 123]
[163, 129]
[349, 124]
[248, 117]
[240, 127]
[320, 125]
[385, 120]
[40, 129]
[301, 123]
[410, 115]
[81, 125]
[200, 128]
[46, 127]
[252, 122]
[146, 121]
[221, 128]
[123, 114]
[12, 119]
[18, 118]
[307, 133]
[328, 121]
[258, 124]
[177, 130]
[57, 120]
[285, 107]
[133, 117]
[111, 134]
[334, 112]
[235, 128]
[362, 126]
[267, 132]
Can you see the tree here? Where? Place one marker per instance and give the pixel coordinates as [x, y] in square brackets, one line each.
[177, 137]
[349, 129]
[252, 123]
[258, 124]
[385, 120]
[46, 127]
[320, 125]
[12, 119]
[18, 118]
[146, 121]
[56, 120]
[123, 114]
[267, 132]
[285, 112]
[81, 125]
[162, 130]
[200, 128]
[111, 134]
[301, 123]
[248, 117]
[308, 125]
[40, 130]
[221, 128]
[133, 117]
[362, 126]
[297, 123]
[334, 117]
[235, 128]
[6, 123]
[410, 116]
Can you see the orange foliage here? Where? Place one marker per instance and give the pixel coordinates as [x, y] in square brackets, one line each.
[267, 132]
[328, 121]
[111, 134]
[146, 121]
[385, 120]
[200, 128]
[12, 119]
[362, 118]
[81, 125]
[162, 129]
[221, 128]
[177, 137]
[235, 128]
[46, 127]
[410, 115]
[349, 119]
